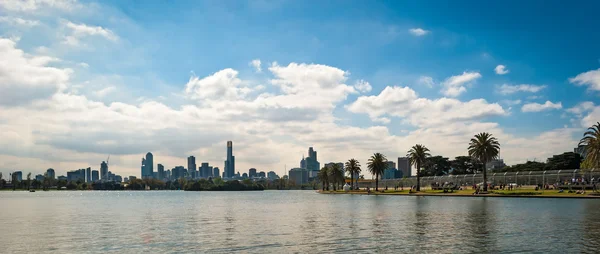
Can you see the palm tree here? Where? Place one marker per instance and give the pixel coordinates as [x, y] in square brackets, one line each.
[335, 175]
[324, 176]
[591, 143]
[376, 165]
[417, 156]
[485, 148]
[353, 168]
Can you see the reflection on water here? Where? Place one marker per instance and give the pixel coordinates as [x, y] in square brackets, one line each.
[291, 221]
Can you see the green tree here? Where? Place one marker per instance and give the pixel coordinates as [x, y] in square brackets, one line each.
[568, 160]
[485, 148]
[436, 166]
[591, 143]
[464, 165]
[377, 165]
[324, 177]
[335, 175]
[353, 169]
[28, 181]
[417, 156]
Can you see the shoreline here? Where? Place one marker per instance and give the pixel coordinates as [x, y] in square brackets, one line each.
[471, 195]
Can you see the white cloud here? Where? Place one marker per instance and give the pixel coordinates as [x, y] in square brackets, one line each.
[536, 107]
[256, 64]
[501, 69]
[404, 102]
[16, 21]
[24, 77]
[104, 91]
[363, 86]
[418, 31]
[35, 5]
[223, 84]
[589, 78]
[510, 89]
[426, 81]
[581, 108]
[81, 31]
[455, 85]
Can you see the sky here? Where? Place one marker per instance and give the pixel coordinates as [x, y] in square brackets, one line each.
[82, 80]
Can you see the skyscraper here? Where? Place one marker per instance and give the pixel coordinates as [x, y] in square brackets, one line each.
[252, 172]
[95, 175]
[191, 162]
[404, 166]
[149, 164]
[88, 175]
[230, 162]
[50, 173]
[103, 170]
[161, 171]
[143, 168]
[216, 172]
[311, 163]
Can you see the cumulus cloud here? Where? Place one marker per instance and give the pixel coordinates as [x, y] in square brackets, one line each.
[363, 86]
[589, 78]
[537, 107]
[455, 85]
[105, 91]
[405, 103]
[256, 65]
[418, 32]
[223, 84]
[501, 69]
[25, 77]
[510, 89]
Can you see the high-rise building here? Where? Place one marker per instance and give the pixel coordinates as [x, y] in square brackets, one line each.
[390, 164]
[252, 172]
[88, 175]
[178, 172]
[272, 175]
[310, 163]
[103, 171]
[161, 171]
[191, 162]
[50, 173]
[261, 174]
[148, 166]
[230, 162]
[95, 175]
[18, 175]
[76, 175]
[206, 170]
[216, 172]
[167, 174]
[298, 176]
[39, 177]
[404, 166]
[143, 168]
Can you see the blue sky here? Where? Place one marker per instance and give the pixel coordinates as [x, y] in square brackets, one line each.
[133, 54]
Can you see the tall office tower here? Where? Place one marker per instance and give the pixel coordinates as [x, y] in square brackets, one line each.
[149, 165]
[404, 166]
[230, 162]
[191, 162]
[311, 163]
[216, 172]
[88, 175]
[103, 170]
[161, 171]
[50, 173]
[252, 173]
[95, 175]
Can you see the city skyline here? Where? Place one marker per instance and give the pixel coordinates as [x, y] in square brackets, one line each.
[347, 77]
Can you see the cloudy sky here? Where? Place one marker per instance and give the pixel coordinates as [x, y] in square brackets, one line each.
[80, 80]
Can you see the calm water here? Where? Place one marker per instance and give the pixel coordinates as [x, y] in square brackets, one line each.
[291, 221]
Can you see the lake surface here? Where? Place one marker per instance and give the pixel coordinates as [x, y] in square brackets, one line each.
[291, 222]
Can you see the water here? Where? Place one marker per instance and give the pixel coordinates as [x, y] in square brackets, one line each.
[291, 222]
